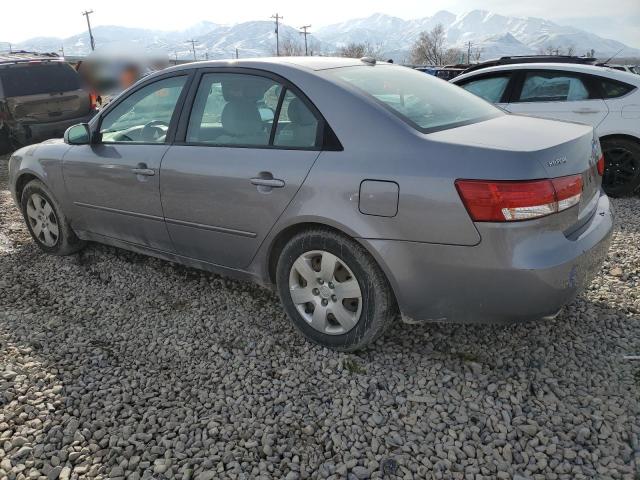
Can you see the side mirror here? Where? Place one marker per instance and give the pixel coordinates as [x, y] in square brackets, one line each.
[79, 134]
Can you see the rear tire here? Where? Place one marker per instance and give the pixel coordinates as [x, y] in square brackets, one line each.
[622, 166]
[343, 300]
[46, 221]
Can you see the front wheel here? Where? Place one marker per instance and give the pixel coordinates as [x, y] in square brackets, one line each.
[46, 222]
[622, 166]
[333, 291]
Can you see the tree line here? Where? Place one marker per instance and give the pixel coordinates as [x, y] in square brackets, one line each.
[430, 48]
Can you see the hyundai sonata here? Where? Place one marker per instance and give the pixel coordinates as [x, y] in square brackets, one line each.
[361, 190]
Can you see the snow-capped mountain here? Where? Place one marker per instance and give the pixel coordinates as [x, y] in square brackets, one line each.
[491, 35]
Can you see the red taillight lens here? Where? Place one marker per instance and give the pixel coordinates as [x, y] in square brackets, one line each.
[505, 201]
[601, 165]
[568, 191]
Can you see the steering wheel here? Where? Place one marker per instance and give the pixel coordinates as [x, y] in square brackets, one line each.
[152, 130]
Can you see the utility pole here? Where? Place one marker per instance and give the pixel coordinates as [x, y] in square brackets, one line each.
[86, 13]
[469, 52]
[304, 32]
[62, 49]
[193, 46]
[236, 53]
[277, 18]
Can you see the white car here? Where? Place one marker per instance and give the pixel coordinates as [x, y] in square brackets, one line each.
[607, 99]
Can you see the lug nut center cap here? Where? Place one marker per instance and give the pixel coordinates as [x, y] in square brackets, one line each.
[325, 292]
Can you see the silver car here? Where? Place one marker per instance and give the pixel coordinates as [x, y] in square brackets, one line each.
[360, 190]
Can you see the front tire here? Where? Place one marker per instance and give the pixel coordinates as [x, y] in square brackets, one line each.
[46, 221]
[333, 291]
[622, 166]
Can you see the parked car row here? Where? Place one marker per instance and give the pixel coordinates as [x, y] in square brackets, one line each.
[361, 191]
[606, 99]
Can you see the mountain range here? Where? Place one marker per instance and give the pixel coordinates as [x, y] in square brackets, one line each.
[490, 35]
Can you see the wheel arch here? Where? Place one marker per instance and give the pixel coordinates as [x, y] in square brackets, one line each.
[284, 235]
[624, 136]
[21, 182]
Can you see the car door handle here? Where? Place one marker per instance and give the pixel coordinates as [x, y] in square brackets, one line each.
[268, 182]
[142, 169]
[585, 110]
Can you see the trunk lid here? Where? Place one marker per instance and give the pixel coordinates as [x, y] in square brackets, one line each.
[528, 148]
[49, 107]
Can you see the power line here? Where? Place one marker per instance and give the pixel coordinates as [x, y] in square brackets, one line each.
[277, 19]
[304, 32]
[193, 46]
[86, 13]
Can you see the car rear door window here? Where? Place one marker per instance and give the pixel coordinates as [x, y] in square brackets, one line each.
[614, 89]
[490, 88]
[145, 115]
[233, 109]
[553, 87]
[297, 125]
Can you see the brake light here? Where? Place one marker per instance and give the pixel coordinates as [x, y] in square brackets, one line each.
[506, 201]
[601, 165]
[93, 100]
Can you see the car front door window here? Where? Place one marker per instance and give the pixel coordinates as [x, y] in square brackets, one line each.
[489, 88]
[145, 115]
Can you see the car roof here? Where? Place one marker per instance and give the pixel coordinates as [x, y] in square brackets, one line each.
[26, 57]
[308, 63]
[626, 77]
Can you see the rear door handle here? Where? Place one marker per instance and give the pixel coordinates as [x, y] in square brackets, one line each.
[142, 169]
[268, 182]
[585, 110]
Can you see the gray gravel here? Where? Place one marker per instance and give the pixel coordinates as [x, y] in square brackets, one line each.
[116, 365]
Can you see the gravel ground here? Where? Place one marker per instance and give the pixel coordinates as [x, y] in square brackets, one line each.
[117, 365]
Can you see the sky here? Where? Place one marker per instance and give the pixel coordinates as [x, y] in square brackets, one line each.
[616, 19]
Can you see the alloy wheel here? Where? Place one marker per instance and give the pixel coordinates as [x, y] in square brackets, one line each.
[325, 292]
[43, 220]
[621, 168]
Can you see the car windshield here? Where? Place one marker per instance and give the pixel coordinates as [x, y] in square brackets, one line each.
[36, 78]
[425, 102]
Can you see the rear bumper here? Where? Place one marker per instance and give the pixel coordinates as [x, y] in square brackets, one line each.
[27, 133]
[514, 274]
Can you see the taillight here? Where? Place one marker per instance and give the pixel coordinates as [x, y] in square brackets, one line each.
[601, 165]
[568, 191]
[506, 201]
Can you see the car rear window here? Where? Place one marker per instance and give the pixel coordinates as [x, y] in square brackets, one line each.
[425, 102]
[614, 89]
[32, 79]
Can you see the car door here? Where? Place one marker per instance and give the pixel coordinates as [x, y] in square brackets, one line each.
[240, 156]
[114, 183]
[560, 95]
[492, 87]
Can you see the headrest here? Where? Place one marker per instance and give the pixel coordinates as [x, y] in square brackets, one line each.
[241, 118]
[246, 88]
[299, 113]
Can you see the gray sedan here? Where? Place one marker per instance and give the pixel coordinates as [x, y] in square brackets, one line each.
[364, 192]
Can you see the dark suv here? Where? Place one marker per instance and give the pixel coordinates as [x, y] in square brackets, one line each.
[40, 96]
